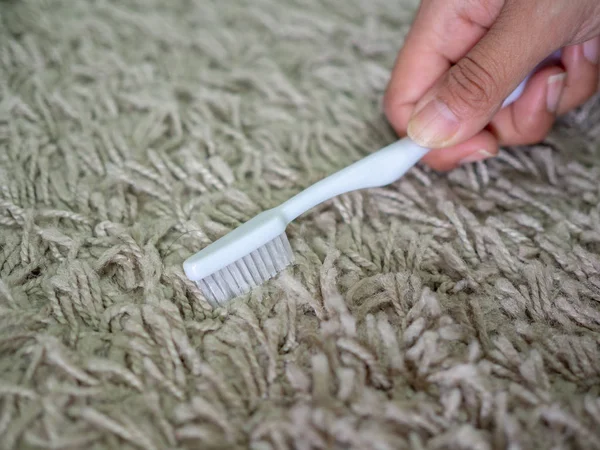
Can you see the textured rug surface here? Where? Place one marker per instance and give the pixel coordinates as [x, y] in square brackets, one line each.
[444, 311]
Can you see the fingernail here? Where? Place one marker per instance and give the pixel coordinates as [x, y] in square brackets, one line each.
[480, 155]
[556, 84]
[591, 50]
[434, 125]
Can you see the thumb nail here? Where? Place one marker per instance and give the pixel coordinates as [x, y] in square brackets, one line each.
[434, 125]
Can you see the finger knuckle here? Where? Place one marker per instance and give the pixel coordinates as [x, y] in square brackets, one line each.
[536, 136]
[473, 87]
[532, 134]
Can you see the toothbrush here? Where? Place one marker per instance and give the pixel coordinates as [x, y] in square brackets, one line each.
[259, 249]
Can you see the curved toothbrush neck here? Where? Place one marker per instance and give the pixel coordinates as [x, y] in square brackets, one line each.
[300, 203]
[378, 169]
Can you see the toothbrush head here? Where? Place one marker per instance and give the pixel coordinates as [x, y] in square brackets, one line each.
[246, 257]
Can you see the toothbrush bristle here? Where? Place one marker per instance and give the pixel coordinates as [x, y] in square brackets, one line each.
[253, 269]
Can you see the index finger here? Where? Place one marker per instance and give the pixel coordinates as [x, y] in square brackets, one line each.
[442, 33]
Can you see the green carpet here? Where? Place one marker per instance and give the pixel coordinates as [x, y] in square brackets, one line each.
[445, 311]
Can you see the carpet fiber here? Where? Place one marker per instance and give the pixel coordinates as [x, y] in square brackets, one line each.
[445, 311]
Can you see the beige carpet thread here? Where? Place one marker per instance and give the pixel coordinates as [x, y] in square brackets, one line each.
[445, 311]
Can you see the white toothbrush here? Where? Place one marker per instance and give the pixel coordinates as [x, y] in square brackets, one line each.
[259, 249]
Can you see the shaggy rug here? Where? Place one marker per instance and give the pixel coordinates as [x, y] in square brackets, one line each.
[445, 311]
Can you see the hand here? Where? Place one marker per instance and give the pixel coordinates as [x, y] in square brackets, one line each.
[462, 58]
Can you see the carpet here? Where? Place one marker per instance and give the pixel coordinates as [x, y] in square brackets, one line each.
[444, 311]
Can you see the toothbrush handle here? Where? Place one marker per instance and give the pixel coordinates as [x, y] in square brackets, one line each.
[378, 169]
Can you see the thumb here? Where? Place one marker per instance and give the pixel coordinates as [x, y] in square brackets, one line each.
[466, 98]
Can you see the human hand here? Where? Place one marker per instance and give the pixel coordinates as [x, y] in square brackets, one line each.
[462, 58]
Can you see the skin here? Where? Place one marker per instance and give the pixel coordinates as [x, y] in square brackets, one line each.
[462, 58]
